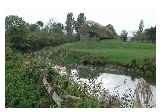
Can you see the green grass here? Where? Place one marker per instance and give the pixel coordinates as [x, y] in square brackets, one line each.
[114, 51]
[22, 77]
[136, 56]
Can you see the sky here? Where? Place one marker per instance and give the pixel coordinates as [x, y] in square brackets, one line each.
[122, 14]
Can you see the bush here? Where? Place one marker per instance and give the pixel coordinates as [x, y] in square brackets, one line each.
[39, 40]
[23, 88]
[92, 60]
[17, 32]
[147, 70]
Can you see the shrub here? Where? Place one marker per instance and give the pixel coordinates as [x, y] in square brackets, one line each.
[147, 70]
[23, 88]
[92, 60]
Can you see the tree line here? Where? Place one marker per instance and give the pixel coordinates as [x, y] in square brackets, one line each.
[143, 35]
[28, 37]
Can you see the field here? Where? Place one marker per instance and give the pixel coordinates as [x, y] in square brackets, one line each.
[44, 61]
[114, 51]
[23, 71]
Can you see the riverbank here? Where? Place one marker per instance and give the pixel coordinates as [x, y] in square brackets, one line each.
[23, 76]
[131, 58]
[105, 86]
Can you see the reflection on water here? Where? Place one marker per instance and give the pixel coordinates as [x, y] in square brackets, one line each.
[122, 87]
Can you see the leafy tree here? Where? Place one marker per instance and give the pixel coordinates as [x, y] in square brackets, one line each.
[69, 24]
[124, 34]
[80, 21]
[151, 33]
[111, 31]
[95, 29]
[34, 28]
[40, 23]
[13, 22]
[58, 27]
[17, 30]
[54, 27]
[141, 26]
[90, 27]
[139, 35]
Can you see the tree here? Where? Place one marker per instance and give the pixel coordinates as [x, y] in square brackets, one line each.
[124, 34]
[91, 27]
[34, 27]
[54, 27]
[13, 22]
[141, 26]
[78, 24]
[150, 33]
[16, 29]
[69, 24]
[111, 31]
[97, 30]
[40, 24]
[139, 35]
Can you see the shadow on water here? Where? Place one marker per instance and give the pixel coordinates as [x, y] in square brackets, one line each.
[90, 71]
[115, 80]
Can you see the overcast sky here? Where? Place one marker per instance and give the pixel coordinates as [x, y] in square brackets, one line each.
[122, 14]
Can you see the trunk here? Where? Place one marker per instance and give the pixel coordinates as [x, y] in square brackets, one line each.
[51, 92]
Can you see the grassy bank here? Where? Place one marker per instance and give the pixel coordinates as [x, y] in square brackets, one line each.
[23, 71]
[24, 87]
[107, 51]
[114, 51]
[138, 57]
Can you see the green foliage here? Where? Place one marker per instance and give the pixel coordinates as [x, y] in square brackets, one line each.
[34, 27]
[65, 87]
[92, 60]
[124, 35]
[39, 40]
[36, 40]
[94, 29]
[141, 26]
[8, 52]
[106, 51]
[69, 24]
[23, 87]
[23, 71]
[150, 34]
[40, 23]
[91, 28]
[147, 70]
[54, 27]
[14, 22]
[147, 35]
[80, 21]
[26, 38]
[111, 31]
[17, 30]
[140, 36]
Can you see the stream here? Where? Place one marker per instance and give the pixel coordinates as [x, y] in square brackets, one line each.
[119, 86]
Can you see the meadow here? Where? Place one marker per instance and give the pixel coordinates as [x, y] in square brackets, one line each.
[33, 50]
[114, 50]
